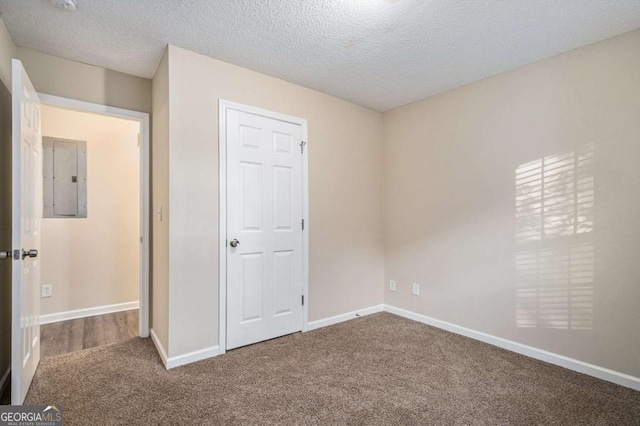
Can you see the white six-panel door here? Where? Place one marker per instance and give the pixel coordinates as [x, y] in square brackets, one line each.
[26, 214]
[264, 217]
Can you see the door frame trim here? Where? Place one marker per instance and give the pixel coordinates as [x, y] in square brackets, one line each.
[223, 106]
[143, 119]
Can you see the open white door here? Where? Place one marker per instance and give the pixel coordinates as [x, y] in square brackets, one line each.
[26, 214]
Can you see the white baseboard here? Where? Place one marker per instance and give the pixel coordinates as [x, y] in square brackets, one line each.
[539, 354]
[88, 312]
[4, 381]
[188, 358]
[161, 351]
[177, 361]
[542, 355]
[344, 317]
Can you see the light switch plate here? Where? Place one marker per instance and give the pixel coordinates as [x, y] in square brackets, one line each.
[392, 285]
[415, 289]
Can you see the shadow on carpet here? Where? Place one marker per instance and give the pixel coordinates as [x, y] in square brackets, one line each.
[380, 369]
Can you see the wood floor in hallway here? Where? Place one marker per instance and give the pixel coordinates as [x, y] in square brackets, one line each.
[84, 333]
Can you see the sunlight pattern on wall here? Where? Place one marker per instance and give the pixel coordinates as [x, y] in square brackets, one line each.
[555, 287]
[555, 260]
[555, 196]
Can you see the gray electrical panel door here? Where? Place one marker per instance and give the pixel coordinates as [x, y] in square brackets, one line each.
[64, 177]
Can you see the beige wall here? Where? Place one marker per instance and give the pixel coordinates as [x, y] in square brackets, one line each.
[6, 52]
[570, 286]
[345, 155]
[94, 261]
[70, 79]
[160, 197]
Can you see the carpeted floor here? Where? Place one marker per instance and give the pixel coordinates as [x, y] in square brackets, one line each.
[376, 370]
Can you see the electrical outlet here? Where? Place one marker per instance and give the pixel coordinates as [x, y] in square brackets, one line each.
[47, 290]
[415, 289]
[392, 285]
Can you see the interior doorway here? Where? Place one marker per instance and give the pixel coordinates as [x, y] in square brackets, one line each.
[95, 226]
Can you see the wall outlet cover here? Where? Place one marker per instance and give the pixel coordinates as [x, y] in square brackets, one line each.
[392, 285]
[415, 289]
[47, 290]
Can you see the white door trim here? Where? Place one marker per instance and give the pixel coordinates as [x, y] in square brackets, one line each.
[143, 119]
[222, 211]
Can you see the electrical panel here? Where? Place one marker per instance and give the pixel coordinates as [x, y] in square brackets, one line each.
[64, 178]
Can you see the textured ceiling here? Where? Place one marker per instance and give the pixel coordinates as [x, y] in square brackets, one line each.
[376, 53]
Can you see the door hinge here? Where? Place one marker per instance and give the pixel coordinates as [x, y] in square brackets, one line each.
[303, 224]
[16, 255]
[303, 300]
[302, 144]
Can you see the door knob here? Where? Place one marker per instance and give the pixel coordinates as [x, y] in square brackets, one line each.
[234, 243]
[30, 253]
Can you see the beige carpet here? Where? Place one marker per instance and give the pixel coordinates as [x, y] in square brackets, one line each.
[381, 369]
